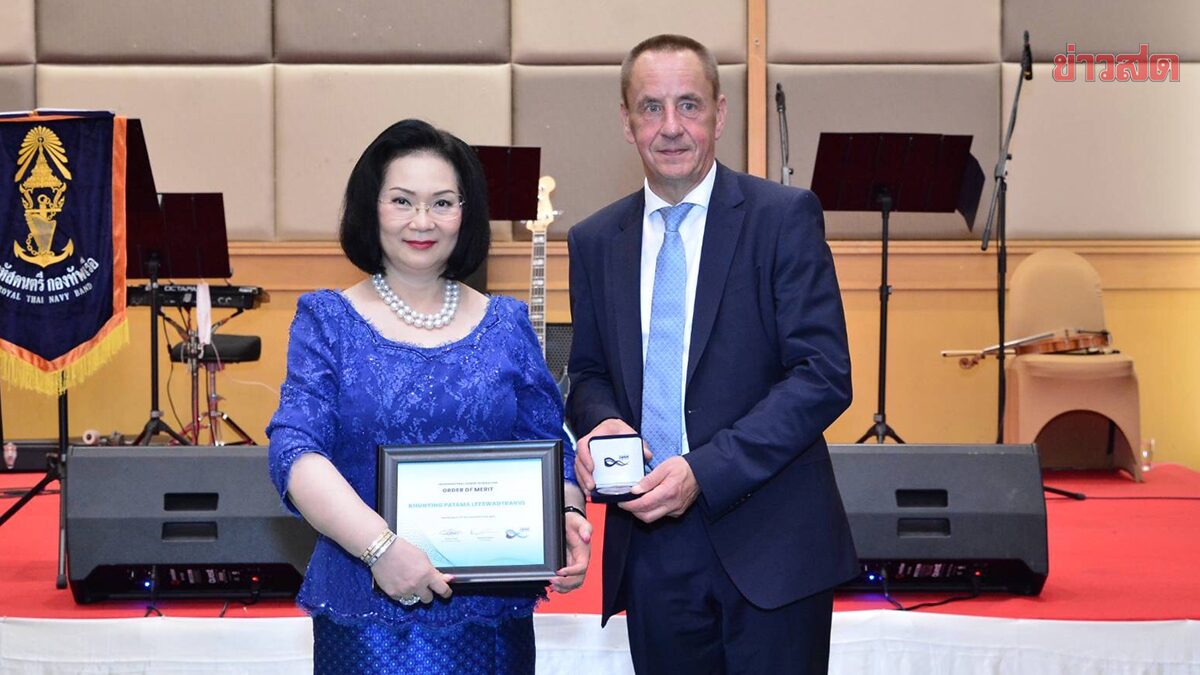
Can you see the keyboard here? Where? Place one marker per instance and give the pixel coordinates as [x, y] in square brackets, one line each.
[184, 295]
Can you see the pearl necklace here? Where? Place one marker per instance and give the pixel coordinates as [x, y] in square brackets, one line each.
[411, 316]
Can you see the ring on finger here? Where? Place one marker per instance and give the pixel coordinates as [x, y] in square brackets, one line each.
[409, 600]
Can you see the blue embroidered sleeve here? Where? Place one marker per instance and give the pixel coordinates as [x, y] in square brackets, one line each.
[305, 420]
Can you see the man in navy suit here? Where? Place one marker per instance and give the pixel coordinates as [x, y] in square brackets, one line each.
[707, 315]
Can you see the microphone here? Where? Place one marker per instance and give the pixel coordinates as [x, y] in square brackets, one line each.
[785, 171]
[1027, 59]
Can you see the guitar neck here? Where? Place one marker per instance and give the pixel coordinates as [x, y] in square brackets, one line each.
[537, 289]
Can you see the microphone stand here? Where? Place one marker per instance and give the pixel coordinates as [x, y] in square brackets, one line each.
[56, 470]
[785, 171]
[998, 210]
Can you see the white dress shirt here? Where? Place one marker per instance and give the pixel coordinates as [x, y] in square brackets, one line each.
[691, 231]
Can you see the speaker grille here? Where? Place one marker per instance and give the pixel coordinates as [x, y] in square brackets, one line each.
[558, 347]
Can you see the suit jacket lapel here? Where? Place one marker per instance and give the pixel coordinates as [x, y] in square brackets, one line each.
[624, 276]
[722, 229]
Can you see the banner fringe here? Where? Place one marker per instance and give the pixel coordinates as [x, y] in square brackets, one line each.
[23, 375]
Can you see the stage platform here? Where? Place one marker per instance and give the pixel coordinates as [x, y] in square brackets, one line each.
[1122, 597]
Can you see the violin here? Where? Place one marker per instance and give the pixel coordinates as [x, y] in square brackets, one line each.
[1069, 341]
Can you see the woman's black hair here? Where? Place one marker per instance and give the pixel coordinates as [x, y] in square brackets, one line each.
[359, 228]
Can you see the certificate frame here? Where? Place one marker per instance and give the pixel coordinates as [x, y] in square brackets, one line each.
[461, 474]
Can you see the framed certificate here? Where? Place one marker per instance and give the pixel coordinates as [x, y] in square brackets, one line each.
[484, 512]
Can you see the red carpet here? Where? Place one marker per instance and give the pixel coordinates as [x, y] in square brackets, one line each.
[1127, 553]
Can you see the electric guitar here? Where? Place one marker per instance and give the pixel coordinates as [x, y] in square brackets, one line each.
[537, 276]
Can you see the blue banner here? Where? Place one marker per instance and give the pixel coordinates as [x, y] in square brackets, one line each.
[62, 238]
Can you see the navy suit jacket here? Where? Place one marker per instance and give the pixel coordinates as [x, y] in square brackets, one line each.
[768, 371]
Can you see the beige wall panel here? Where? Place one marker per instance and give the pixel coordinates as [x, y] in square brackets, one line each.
[869, 31]
[579, 31]
[16, 88]
[386, 31]
[326, 116]
[572, 112]
[946, 99]
[1118, 160]
[1102, 26]
[154, 31]
[208, 129]
[16, 31]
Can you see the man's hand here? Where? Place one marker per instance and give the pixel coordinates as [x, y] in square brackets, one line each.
[583, 452]
[579, 553]
[668, 490]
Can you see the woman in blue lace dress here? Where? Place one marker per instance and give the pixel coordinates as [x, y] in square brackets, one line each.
[409, 356]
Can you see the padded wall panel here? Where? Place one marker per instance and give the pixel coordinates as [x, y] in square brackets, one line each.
[869, 31]
[16, 31]
[948, 99]
[385, 31]
[16, 87]
[326, 116]
[583, 32]
[208, 129]
[154, 31]
[1108, 160]
[573, 113]
[1102, 26]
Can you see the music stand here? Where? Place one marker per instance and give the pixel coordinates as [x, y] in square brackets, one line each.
[886, 172]
[512, 180]
[185, 238]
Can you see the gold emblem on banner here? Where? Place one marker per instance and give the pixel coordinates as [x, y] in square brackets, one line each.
[43, 194]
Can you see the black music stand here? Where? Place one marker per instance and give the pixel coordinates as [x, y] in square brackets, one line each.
[886, 172]
[512, 180]
[512, 174]
[185, 238]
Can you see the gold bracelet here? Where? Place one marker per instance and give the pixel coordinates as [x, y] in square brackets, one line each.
[383, 549]
[378, 547]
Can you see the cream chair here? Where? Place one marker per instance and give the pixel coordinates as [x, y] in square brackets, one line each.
[1081, 409]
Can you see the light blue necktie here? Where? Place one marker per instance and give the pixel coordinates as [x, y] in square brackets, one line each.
[662, 379]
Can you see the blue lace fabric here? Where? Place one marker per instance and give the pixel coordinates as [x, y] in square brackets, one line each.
[349, 390]
[471, 649]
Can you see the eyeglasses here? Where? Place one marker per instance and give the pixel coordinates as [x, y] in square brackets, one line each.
[442, 210]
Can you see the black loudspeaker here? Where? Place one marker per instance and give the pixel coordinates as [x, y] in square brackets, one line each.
[179, 522]
[558, 347]
[27, 456]
[945, 517]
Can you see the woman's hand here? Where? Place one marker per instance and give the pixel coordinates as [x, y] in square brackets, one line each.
[578, 533]
[404, 571]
